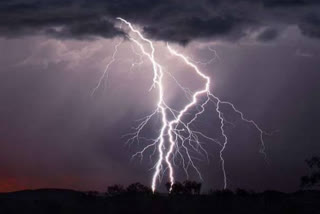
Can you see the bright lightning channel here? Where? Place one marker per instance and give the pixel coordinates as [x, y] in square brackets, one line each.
[173, 141]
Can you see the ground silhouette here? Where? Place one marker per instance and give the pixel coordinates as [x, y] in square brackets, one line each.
[184, 198]
[136, 198]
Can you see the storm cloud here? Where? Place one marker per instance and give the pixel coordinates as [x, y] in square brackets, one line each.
[167, 20]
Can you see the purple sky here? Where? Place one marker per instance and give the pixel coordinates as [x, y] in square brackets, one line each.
[53, 133]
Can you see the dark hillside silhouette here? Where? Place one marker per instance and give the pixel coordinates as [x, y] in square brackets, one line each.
[137, 198]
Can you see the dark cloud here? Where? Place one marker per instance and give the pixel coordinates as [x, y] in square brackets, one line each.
[268, 35]
[310, 25]
[168, 20]
[57, 18]
[86, 30]
[192, 28]
[288, 3]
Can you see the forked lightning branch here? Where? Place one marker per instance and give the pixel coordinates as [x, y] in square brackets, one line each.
[177, 137]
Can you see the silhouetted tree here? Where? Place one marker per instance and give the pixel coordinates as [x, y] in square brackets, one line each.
[312, 180]
[192, 187]
[115, 190]
[188, 187]
[197, 188]
[177, 188]
[168, 186]
[138, 188]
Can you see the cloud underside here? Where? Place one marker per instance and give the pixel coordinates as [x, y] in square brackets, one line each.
[167, 20]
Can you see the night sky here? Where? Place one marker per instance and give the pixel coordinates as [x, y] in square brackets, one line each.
[54, 133]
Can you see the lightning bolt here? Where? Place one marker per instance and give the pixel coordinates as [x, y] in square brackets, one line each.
[177, 139]
[105, 73]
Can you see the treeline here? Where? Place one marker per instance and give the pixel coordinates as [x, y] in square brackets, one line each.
[186, 187]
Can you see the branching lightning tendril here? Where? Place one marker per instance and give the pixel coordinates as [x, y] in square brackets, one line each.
[177, 138]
